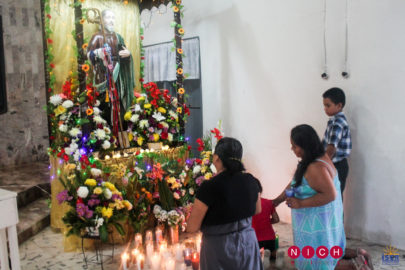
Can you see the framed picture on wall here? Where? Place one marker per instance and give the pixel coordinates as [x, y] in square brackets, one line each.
[3, 96]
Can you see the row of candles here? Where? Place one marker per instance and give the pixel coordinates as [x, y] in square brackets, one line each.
[164, 257]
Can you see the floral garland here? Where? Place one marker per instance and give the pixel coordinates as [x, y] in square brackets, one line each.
[49, 46]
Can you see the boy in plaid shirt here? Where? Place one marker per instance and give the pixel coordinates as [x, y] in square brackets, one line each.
[337, 140]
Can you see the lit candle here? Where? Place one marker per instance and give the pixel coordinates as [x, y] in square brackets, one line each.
[135, 253]
[140, 261]
[124, 260]
[148, 237]
[187, 257]
[155, 261]
[195, 261]
[178, 252]
[159, 235]
[170, 264]
[163, 247]
[138, 240]
[149, 251]
[198, 243]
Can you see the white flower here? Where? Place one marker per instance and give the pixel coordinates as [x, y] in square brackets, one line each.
[95, 172]
[139, 171]
[213, 169]
[176, 195]
[186, 168]
[97, 103]
[163, 215]
[63, 117]
[137, 108]
[158, 116]
[98, 119]
[174, 102]
[75, 132]
[55, 100]
[100, 134]
[134, 118]
[183, 192]
[164, 124]
[76, 155]
[107, 193]
[191, 191]
[82, 192]
[156, 209]
[170, 137]
[96, 110]
[144, 124]
[197, 169]
[63, 128]
[106, 145]
[67, 104]
[173, 114]
[107, 130]
[99, 222]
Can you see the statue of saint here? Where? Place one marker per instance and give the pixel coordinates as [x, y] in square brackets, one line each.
[113, 71]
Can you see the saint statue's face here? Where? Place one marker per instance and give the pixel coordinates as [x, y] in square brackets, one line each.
[108, 20]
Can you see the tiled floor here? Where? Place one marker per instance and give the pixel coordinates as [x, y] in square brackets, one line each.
[45, 251]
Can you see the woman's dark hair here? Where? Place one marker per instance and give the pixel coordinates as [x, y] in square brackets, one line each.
[306, 137]
[229, 151]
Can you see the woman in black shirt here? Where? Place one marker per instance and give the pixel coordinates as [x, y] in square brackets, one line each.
[223, 210]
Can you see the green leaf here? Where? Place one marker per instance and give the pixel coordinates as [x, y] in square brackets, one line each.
[119, 228]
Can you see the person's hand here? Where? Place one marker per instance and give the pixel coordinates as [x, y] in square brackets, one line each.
[124, 53]
[276, 202]
[293, 203]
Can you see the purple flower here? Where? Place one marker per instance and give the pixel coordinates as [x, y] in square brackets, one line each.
[199, 180]
[63, 196]
[93, 202]
[81, 209]
[151, 129]
[115, 197]
[88, 214]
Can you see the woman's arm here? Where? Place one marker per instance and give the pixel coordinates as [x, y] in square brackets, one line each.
[274, 218]
[321, 181]
[258, 205]
[196, 217]
[281, 198]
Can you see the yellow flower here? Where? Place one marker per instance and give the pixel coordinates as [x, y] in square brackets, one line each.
[98, 190]
[180, 71]
[130, 137]
[178, 2]
[181, 31]
[127, 116]
[119, 205]
[175, 9]
[82, 21]
[138, 100]
[85, 67]
[179, 109]
[90, 182]
[139, 141]
[181, 91]
[89, 111]
[111, 205]
[84, 46]
[204, 169]
[155, 137]
[70, 166]
[59, 110]
[125, 2]
[208, 176]
[162, 110]
[180, 51]
[107, 212]
[110, 186]
[147, 105]
[128, 205]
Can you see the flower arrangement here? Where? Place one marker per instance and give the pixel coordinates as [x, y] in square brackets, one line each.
[95, 202]
[153, 118]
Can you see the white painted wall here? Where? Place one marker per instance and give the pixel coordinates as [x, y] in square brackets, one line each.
[261, 64]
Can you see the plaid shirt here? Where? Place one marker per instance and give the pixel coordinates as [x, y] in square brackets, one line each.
[338, 133]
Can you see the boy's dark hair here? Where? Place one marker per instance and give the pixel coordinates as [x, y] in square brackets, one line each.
[336, 95]
[230, 151]
[306, 137]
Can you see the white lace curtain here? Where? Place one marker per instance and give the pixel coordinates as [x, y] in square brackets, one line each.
[160, 61]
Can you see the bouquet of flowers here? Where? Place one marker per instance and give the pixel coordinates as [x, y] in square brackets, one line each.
[95, 202]
[153, 118]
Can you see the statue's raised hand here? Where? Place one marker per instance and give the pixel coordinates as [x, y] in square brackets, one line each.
[124, 53]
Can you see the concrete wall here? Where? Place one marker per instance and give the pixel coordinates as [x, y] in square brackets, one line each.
[24, 128]
[261, 64]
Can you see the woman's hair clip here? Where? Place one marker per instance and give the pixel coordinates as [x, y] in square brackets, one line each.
[237, 159]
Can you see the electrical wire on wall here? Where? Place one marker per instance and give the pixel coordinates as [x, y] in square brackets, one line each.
[345, 73]
[324, 75]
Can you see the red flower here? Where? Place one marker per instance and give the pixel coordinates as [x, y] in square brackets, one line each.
[141, 80]
[200, 148]
[52, 65]
[143, 57]
[199, 161]
[154, 103]
[188, 147]
[79, 200]
[49, 89]
[217, 133]
[160, 126]
[179, 160]
[50, 41]
[142, 37]
[49, 16]
[164, 135]
[66, 157]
